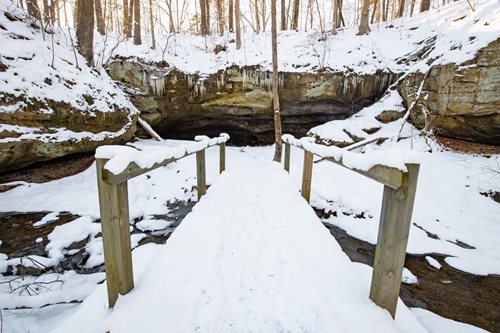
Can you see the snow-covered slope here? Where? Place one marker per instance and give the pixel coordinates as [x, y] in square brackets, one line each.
[50, 97]
[44, 66]
[452, 33]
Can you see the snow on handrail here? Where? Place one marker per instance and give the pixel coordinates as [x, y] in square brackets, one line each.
[385, 166]
[125, 162]
[390, 158]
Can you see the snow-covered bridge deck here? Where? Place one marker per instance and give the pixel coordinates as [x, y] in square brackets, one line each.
[252, 256]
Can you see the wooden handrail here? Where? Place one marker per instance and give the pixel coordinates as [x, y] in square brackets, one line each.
[133, 170]
[114, 209]
[395, 219]
[392, 177]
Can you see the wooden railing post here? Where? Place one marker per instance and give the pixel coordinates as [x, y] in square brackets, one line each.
[113, 205]
[222, 157]
[394, 228]
[307, 175]
[287, 157]
[200, 173]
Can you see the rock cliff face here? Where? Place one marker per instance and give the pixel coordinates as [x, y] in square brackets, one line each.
[238, 100]
[461, 101]
[31, 133]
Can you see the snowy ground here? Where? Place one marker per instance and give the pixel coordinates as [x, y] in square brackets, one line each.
[448, 204]
[251, 257]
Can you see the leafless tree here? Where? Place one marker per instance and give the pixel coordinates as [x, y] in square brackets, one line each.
[127, 19]
[425, 5]
[401, 8]
[231, 16]
[151, 24]
[220, 16]
[364, 26]
[238, 23]
[33, 9]
[99, 17]
[137, 22]
[276, 96]
[85, 29]
[295, 15]
[203, 17]
[283, 15]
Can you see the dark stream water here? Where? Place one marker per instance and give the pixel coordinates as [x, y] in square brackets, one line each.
[448, 292]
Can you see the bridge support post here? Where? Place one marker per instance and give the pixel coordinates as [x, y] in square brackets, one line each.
[201, 173]
[394, 228]
[222, 157]
[113, 205]
[287, 157]
[307, 175]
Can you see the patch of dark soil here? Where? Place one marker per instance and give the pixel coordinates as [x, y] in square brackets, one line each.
[448, 292]
[46, 171]
[494, 195]
[468, 146]
[19, 236]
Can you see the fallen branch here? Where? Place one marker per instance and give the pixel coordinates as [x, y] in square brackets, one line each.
[149, 129]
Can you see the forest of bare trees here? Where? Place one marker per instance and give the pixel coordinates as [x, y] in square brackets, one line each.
[217, 17]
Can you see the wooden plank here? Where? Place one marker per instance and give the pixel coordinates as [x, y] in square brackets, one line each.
[394, 228]
[287, 157]
[307, 175]
[113, 205]
[222, 157]
[391, 177]
[201, 173]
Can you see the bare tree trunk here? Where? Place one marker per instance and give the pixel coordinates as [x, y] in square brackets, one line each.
[127, 20]
[46, 12]
[237, 14]
[85, 30]
[341, 17]
[57, 12]
[203, 17]
[263, 14]
[384, 16]
[335, 16]
[374, 11]
[170, 14]
[425, 5]
[137, 22]
[220, 16]
[33, 9]
[295, 15]
[364, 26]
[207, 24]
[283, 15]
[99, 19]
[75, 14]
[401, 8]
[412, 7]
[257, 23]
[231, 16]
[276, 96]
[151, 23]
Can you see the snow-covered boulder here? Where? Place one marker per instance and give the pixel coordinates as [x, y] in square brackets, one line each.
[462, 100]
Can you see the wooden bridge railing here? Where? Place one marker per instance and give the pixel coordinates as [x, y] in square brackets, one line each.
[114, 208]
[395, 218]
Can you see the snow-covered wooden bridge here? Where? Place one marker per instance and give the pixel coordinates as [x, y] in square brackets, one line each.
[252, 256]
